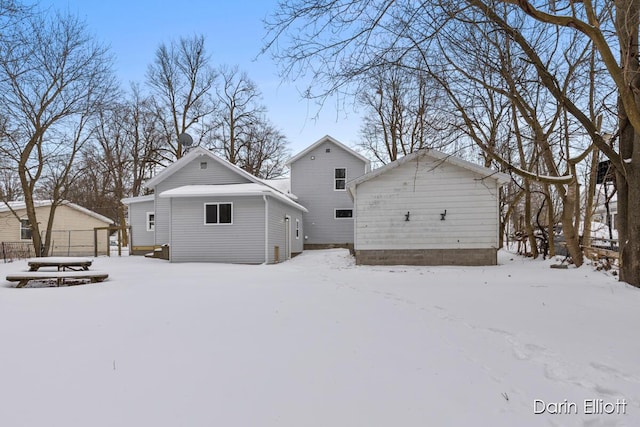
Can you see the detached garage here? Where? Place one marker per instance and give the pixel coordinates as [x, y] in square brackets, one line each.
[427, 208]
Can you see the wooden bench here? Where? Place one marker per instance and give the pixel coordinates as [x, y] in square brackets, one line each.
[24, 277]
[61, 263]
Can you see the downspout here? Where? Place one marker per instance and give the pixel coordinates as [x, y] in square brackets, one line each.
[266, 229]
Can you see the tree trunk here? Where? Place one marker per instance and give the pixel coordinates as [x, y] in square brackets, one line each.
[568, 225]
[527, 220]
[588, 206]
[551, 222]
[628, 180]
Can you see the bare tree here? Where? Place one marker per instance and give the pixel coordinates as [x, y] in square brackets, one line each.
[265, 152]
[120, 156]
[182, 80]
[402, 114]
[54, 79]
[243, 135]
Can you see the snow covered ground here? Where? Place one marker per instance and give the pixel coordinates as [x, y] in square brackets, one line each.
[318, 341]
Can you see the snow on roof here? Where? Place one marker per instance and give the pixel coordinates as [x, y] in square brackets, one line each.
[230, 190]
[138, 199]
[323, 140]
[502, 178]
[19, 205]
[283, 185]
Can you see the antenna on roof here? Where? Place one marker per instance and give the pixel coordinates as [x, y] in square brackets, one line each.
[185, 140]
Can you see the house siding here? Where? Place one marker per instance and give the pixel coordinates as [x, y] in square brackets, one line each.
[312, 181]
[190, 174]
[426, 188]
[72, 233]
[240, 242]
[140, 237]
[277, 229]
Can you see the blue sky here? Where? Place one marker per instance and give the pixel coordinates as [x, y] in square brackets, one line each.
[234, 35]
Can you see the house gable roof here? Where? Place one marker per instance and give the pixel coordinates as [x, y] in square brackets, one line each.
[191, 155]
[502, 178]
[198, 152]
[4, 207]
[324, 140]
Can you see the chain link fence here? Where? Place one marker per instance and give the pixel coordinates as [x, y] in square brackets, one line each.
[12, 251]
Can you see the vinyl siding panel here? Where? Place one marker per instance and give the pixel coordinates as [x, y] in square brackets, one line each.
[138, 222]
[312, 181]
[72, 232]
[277, 229]
[240, 242]
[426, 188]
[189, 174]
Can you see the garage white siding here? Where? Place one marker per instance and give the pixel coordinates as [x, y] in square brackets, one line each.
[424, 188]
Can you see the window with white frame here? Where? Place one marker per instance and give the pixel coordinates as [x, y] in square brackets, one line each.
[297, 228]
[151, 221]
[25, 229]
[218, 213]
[340, 179]
[343, 213]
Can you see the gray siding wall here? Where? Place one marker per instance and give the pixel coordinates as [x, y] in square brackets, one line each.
[277, 229]
[240, 242]
[138, 221]
[425, 188]
[190, 174]
[313, 182]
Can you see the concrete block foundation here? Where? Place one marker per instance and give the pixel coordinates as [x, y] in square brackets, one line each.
[468, 257]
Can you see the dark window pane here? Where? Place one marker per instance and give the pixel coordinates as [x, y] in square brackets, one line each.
[211, 214]
[225, 213]
[25, 229]
[341, 173]
[340, 184]
[344, 213]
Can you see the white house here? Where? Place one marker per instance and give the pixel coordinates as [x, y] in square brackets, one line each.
[427, 208]
[207, 209]
[319, 175]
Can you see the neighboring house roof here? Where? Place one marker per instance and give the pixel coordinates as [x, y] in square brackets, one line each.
[323, 140]
[138, 199]
[4, 207]
[230, 190]
[502, 178]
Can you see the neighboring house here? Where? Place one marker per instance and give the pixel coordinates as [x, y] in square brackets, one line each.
[427, 208]
[319, 175]
[73, 227]
[207, 209]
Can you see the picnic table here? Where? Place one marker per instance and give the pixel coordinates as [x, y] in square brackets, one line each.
[25, 277]
[73, 268]
[61, 263]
